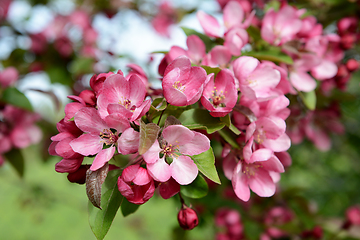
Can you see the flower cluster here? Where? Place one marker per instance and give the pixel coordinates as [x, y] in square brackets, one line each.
[224, 84]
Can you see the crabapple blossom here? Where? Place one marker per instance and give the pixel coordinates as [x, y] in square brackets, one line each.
[256, 80]
[282, 26]
[123, 96]
[183, 84]
[97, 133]
[187, 218]
[135, 184]
[168, 156]
[220, 95]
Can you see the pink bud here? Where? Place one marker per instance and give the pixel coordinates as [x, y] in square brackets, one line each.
[79, 176]
[187, 218]
[352, 65]
[353, 215]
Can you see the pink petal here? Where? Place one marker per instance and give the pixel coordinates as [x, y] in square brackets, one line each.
[240, 183]
[244, 66]
[198, 144]
[128, 142]
[117, 121]
[233, 14]
[177, 135]
[180, 62]
[64, 150]
[87, 144]
[260, 155]
[262, 184]
[159, 170]
[302, 81]
[142, 177]
[152, 155]
[88, 120]
[169, 188]
[281, 144]
[137, 91]
[273, 164]
[102, 157]
[184, 170]
[141, 110]
[68, 165]
[130, 172]
[210, 25]
[196, 48]
[325, 70]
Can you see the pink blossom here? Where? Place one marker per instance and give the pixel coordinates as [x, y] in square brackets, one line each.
[196, 50]
[8, 77]
[123, 96]
[257, 81]
[136, 185]
[164, 18]
[97, 133]
[219, 56]
[280, 27]
[182, 83]
[176, 143]
[252, 171]
[220, 95]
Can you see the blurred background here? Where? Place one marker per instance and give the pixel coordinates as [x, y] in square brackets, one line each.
[57, 45]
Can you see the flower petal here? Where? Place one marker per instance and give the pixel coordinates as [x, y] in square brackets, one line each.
[184, 170]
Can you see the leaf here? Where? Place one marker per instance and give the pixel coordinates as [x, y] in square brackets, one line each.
[171, 120]
[197, 189]
[94, 181]
[228, 123]
[309, 99]
[148, 134]
[254, 32]
[128, 208]
[14, 97]
[111, 199]
[206, 164]
[159, 104]
[210, 70]
[229, 138]
[201, 119]
[81, 66]
[16, 159]
[207, 41]
[271, 55]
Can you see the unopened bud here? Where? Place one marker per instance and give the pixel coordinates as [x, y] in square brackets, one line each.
[352, 65]
[187, 218]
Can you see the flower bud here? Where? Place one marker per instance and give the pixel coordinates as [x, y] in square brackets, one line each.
[352, 65]
[187, 218]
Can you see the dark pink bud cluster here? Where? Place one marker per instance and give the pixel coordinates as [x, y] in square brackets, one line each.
[229, 222]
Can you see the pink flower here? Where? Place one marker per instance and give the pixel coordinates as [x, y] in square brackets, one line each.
[164, 18]
[168, 158]
[220, 95]
[136, 185]
[123, 96]
[252, 171]
[257, 81]
[196, 50]
[8, 77]
[97, 133]
[183, 84]
[282, 26]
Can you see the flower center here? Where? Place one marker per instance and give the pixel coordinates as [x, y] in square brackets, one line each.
[217, 98]
[178, 85]
[250, 169]
[259, 136]
[170, 150]
[108, 137]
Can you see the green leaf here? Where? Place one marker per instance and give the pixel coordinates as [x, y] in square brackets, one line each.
[111, 199]
[229, 138]
[81, 66]
[128, 208]
[16, 159]
[210, 70]
[274, 55]
[14, 97]
[159, 104]
[201, 119]
[207, 41]
[254, 32]
[206, 164]
[228, 123]
[309, 99]
[148, 134]
[197, 189]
